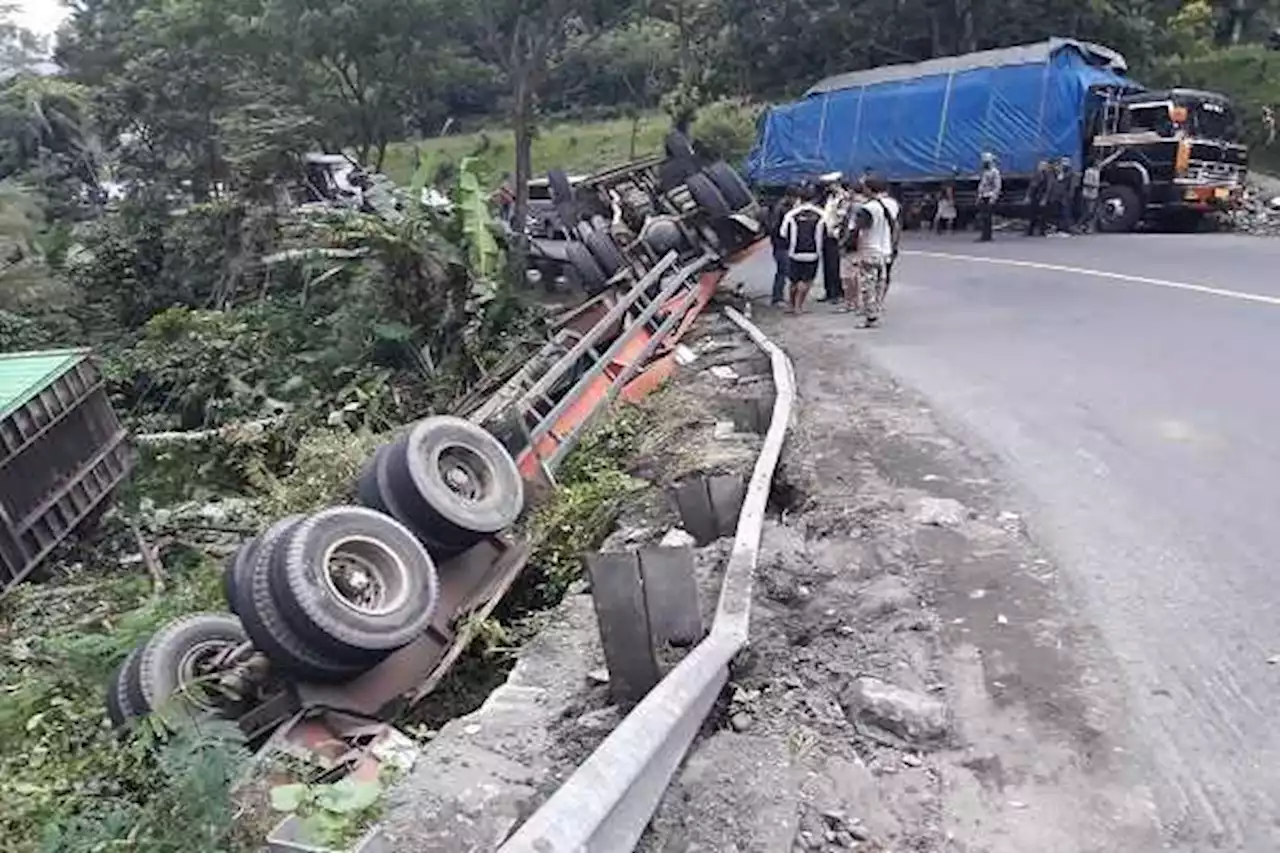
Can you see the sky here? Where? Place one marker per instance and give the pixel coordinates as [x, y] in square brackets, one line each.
[41, 16]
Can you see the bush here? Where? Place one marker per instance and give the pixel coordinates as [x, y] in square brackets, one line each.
[726, 130]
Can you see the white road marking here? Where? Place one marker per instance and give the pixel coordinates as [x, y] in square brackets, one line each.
[1115, 276]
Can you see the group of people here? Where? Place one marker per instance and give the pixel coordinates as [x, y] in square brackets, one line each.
[1056, 194]
[847, 232]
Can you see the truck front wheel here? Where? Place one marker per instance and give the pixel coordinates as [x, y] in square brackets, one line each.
[1119, 209]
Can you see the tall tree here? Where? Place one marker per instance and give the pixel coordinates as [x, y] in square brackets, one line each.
[20, 49]
[361, 66]
[526, 39]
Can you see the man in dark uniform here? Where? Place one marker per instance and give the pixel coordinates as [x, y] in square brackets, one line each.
[777, 213]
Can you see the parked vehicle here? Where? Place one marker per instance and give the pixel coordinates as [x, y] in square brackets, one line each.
[1171, 153]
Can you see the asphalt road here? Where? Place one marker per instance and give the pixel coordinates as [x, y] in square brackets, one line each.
[1129, 385]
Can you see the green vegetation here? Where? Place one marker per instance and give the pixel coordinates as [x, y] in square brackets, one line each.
[334, 814]
[576, 147]
[143, 210]
[1249, 75]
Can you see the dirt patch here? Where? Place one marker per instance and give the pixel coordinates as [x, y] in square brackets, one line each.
[914, 662]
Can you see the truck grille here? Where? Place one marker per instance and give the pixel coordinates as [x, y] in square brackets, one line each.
[1213, 172]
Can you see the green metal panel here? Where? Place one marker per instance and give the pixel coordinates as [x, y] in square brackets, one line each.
[25, 374]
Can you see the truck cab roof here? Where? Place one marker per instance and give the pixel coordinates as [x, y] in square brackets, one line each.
[1175, 94]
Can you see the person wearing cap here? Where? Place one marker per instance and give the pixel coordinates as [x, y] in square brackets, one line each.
[989, 186]
[834, 212]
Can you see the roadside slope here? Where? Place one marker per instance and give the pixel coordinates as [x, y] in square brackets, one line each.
[918, 678]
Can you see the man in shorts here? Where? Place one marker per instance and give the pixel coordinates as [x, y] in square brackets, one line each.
[804, 233]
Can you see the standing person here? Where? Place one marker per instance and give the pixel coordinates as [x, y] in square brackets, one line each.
[989, 186]
[849, 245]
[876, 234]
[777, 214]
[802, 229]
[1066, 181]
[944, 218]
[1037, 196]
[832, 212]
[1090, 190]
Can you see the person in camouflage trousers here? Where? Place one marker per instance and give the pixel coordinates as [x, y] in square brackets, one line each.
[875, 234]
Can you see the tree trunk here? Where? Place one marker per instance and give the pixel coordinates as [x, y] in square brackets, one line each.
[380, 156]
[635, 132]
[1237, 20]
[523, 125]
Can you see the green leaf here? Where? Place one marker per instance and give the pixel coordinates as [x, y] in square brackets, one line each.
[288, 798]
[348, 796]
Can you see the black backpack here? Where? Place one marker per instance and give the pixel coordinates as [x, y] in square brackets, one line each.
[806, 231]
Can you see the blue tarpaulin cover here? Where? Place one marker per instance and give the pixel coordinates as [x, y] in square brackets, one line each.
[922, 121]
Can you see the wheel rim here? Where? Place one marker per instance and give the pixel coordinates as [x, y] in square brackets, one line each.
[465, 473]
[365, 576]
[1113, 209]
[194, 668]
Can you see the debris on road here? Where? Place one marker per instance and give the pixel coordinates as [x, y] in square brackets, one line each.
[940, 512]
[913, 717]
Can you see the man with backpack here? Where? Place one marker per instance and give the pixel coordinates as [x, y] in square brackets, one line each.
[804, 233]
[876, 232]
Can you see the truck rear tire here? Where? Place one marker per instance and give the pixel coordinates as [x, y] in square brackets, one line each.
[707, 196]
[1119, 210]
[590, 275]
[731, 186]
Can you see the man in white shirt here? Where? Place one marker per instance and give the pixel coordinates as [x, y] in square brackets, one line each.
[877, 232]
[803, 232]
[835, 212]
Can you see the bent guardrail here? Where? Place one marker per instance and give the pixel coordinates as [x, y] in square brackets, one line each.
[606, 804]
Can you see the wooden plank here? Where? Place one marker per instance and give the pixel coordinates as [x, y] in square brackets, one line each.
[671, 596]
[618, 594]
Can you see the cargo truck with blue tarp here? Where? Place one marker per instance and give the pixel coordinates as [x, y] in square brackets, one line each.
[1172, 153]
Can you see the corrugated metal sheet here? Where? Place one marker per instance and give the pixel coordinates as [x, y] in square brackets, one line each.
[23, 374]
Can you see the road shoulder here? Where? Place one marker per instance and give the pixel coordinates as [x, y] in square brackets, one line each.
[917, 678]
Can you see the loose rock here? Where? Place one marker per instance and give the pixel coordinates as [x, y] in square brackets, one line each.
[677, 538]
[740, 722]
[939, 512]
[913, 717]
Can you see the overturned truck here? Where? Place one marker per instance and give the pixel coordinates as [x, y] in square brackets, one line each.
[1169, 154]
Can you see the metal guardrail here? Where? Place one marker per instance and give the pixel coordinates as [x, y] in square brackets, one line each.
[606, 804]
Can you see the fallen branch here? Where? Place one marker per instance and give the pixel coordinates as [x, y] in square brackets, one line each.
[188, 436]
[151, 561]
